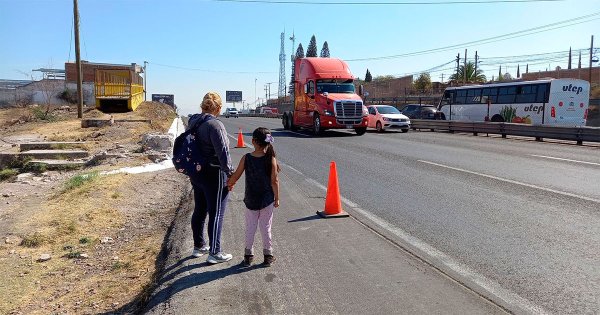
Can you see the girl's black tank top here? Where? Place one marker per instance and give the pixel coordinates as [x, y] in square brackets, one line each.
[259, 192]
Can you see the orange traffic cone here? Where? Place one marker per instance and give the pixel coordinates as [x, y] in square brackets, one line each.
[333, 202]
[240, 143]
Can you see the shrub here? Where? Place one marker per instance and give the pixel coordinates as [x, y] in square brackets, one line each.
[79, 180]
[8, 174]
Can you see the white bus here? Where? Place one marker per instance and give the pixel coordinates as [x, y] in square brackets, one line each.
[561, 102]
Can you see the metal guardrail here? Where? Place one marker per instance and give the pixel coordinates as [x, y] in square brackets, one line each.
[262, 115]
[539, 132]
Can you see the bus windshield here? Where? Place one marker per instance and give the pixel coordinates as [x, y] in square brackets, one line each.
[335, 86]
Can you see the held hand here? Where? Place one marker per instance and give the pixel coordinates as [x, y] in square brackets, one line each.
[276, 203]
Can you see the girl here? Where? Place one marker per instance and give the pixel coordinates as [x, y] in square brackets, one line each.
[262, 192]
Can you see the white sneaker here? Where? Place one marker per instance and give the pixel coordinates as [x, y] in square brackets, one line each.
[198, 252]
[218, 258]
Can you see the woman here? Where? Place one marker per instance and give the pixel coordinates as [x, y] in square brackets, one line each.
[210, 186]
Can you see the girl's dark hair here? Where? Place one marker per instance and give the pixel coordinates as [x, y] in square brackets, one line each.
[260, 136]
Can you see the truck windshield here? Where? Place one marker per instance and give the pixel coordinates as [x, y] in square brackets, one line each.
[333, 86]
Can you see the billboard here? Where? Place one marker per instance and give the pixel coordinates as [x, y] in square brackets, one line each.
[168, 99]
[233, 96]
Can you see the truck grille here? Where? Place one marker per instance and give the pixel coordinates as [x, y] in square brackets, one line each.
[348, 112]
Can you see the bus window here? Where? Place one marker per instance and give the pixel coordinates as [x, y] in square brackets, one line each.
[461, 97]
[526, 94]
[491, 93]
[542, 93]
[474, 96]
[506, 95]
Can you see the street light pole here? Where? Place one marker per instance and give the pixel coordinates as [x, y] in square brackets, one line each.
[145, 63]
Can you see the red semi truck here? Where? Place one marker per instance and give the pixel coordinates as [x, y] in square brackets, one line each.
[325, 97]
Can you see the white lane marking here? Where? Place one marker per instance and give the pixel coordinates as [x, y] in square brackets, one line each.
[564, 193]
[492, 287]
[290, 167]
[568, 160]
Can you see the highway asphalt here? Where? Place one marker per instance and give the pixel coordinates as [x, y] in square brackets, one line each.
[515, 220]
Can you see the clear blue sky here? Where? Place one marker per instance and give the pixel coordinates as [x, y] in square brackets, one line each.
[228, 37]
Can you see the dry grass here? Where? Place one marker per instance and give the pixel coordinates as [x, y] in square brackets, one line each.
[73, 221]
[86, 211]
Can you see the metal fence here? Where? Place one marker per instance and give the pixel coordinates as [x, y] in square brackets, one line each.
[539, 132]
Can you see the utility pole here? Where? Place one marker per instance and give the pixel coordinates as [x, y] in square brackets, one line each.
[457, 65]
[145, 63]
[476, 61]
[255, 99]
[78, 61]
[591, 51]
[442, 78]
[465, 69]
[266, 94]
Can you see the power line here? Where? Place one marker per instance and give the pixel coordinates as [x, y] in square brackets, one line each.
[210, 70]
[488, 40]
[385, 3]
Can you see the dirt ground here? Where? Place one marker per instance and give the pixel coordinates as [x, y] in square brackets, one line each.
[103, 233]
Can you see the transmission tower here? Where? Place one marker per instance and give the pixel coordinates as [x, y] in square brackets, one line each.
[282, 80]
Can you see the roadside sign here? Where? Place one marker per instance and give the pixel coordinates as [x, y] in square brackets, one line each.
[233, 96]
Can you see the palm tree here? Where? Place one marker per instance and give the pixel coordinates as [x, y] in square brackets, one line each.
[472, 75]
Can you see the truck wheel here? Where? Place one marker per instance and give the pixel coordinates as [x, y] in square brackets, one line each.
[360, 131]
[317, 130]
[286, 122]
[291, 122]
[379, 127]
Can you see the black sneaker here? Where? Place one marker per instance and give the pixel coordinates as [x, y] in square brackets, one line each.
[248, 260]
[269, 260]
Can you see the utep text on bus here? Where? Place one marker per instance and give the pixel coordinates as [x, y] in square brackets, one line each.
[572, 88]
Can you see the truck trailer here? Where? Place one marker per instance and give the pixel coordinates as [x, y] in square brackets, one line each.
[325, 97]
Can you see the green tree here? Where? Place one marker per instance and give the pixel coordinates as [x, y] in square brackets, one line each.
[423, 82]
[472, 75]
[325, 50]
[300, 52]
[311, 51]
[368, 76]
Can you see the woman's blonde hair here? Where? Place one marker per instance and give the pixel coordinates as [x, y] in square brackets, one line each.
[211, 102]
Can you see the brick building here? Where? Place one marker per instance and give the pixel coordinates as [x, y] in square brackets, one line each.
[579, 73]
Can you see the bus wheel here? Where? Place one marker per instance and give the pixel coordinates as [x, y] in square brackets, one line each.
[497, 118]
[360, 131]
[317, 130]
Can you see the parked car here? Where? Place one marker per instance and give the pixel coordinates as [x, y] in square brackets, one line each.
[231, 112]
[382, 117]
[421, 111]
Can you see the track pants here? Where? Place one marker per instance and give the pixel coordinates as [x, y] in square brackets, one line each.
[210, 198]
[263, 219]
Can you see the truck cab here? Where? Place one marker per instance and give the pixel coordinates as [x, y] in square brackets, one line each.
[325, 97]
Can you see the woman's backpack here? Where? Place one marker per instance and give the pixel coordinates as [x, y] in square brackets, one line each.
[187, 156]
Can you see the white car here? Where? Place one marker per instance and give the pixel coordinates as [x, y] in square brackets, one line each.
[382, 117]
[233, 112]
